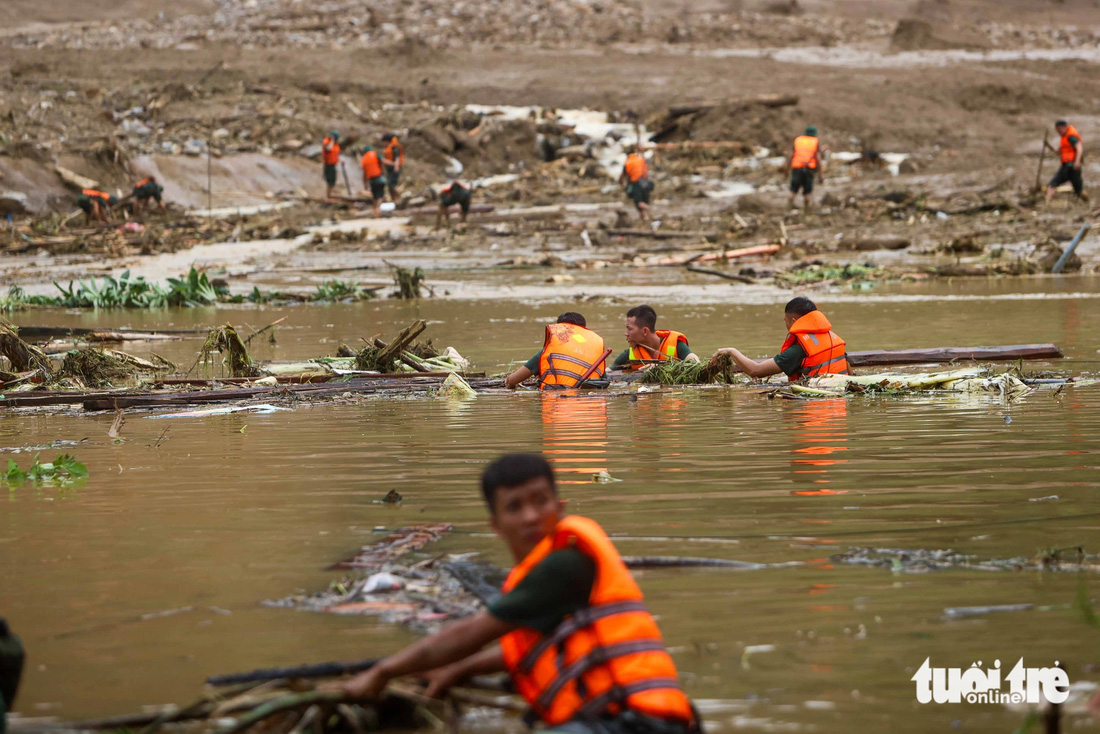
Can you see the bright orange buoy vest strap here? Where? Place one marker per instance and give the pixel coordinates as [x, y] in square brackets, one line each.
[805, 152]
[95, 194]
[1068, 149]
[666, 350]
[567, 353]
[825, 351]
[330, 152]
[636, 167]
[607, 657]
[142, 182]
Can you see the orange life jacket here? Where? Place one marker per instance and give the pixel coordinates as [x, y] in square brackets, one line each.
[567, 353]
[372, 167]
[805, 150]
[1068, 149]
[387, 152]
[330, 152]
[142, 182]
[636, 167]
[451, 188]
[666, 350]
[94, 194]
[606, 657]
[825, 352]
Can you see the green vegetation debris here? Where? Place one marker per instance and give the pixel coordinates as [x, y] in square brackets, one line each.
[408, 282]
[63, 470]
[805, 273]
[676, 372]
[103, 367]
[225, 340]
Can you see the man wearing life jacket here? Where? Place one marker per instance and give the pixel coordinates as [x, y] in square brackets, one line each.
[810, 349]
[456, 193]
[373, 178]
[635, 176]
[1070, 150]
[330, 157]
[95, 205]
[648, 344]
[804, 163]
[393, 158]
[568, 351]
[574, 632]
[145, 190]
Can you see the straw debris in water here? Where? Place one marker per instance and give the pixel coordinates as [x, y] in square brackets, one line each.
[103, 367]
[676, 372]
[225, 340]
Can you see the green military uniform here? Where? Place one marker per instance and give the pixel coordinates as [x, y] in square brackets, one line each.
[682, 352]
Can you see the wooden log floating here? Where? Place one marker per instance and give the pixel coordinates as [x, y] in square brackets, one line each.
[954, 354]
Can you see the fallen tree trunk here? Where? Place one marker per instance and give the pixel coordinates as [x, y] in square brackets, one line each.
[720, 274]
[666, 235]
[951, 354]
[105, 335]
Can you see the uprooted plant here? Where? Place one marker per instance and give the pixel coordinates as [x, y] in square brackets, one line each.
[225, 340]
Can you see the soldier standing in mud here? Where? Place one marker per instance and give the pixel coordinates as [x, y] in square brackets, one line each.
[393, 158]
[1071, 150]
[330, 157]
[638, 185]
[804, 163]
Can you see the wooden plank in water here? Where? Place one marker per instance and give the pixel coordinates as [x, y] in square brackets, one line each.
[954, 354]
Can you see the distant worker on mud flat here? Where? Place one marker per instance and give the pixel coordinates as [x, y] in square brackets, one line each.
[145, 190]
[568, 352]
[95, 205]
[458, 194]
[635, 176]
[574, 632]
[810, 349]
[373, 178]
[330, 157]
[1071, 150]
[804, 163]
[393, 158]
[647, 342]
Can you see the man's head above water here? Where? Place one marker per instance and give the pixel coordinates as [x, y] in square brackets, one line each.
[523, 501]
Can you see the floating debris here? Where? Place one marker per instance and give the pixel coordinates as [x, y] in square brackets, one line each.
[920, 560]
[62, 471]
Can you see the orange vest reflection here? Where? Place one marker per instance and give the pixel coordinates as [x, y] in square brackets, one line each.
[821, 434]
[574, 434]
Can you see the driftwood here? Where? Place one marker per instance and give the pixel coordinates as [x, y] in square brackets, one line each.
[404, 357]
[105, 335]
[950, 354]
[688, 562]
[75, 179]
[315, 670]
[403, 340]
[876, 243]
[663, 235]
[23, 357]
[720, 274]
[765, 100]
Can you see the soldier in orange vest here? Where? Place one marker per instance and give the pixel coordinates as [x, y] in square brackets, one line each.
[574, 632]
[647, 342]
[1070, 150]
[330, 157]
[145, 191]
[810, 349]
[638, 185]
[393, 158]
[804, 163]
[96, 205]
[568, 351]
[373, 178]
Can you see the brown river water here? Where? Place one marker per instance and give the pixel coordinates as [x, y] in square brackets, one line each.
[227, 511]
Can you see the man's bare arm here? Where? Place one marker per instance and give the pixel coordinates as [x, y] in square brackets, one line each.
[517, 377]
[451, 644]
[485, 662]
[751, 367]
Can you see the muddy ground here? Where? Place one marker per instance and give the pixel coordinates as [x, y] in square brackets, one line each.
[962, 90]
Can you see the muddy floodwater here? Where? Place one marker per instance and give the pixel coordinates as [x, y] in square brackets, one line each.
[133, 587]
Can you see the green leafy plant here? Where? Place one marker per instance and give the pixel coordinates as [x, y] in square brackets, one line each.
[63, 470]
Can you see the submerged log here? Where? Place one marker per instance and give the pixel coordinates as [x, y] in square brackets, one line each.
[951, 354]
[316, 670]
[106, 335]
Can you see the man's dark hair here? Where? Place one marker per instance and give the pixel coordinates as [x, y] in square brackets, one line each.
[643, 316]
[800, 306]
[1060, 123]
[572, 317]
[512, 470]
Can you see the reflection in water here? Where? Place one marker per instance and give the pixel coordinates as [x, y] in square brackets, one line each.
[823, 425]
[574, 434]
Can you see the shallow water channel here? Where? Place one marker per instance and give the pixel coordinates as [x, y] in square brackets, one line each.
[133, 587]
